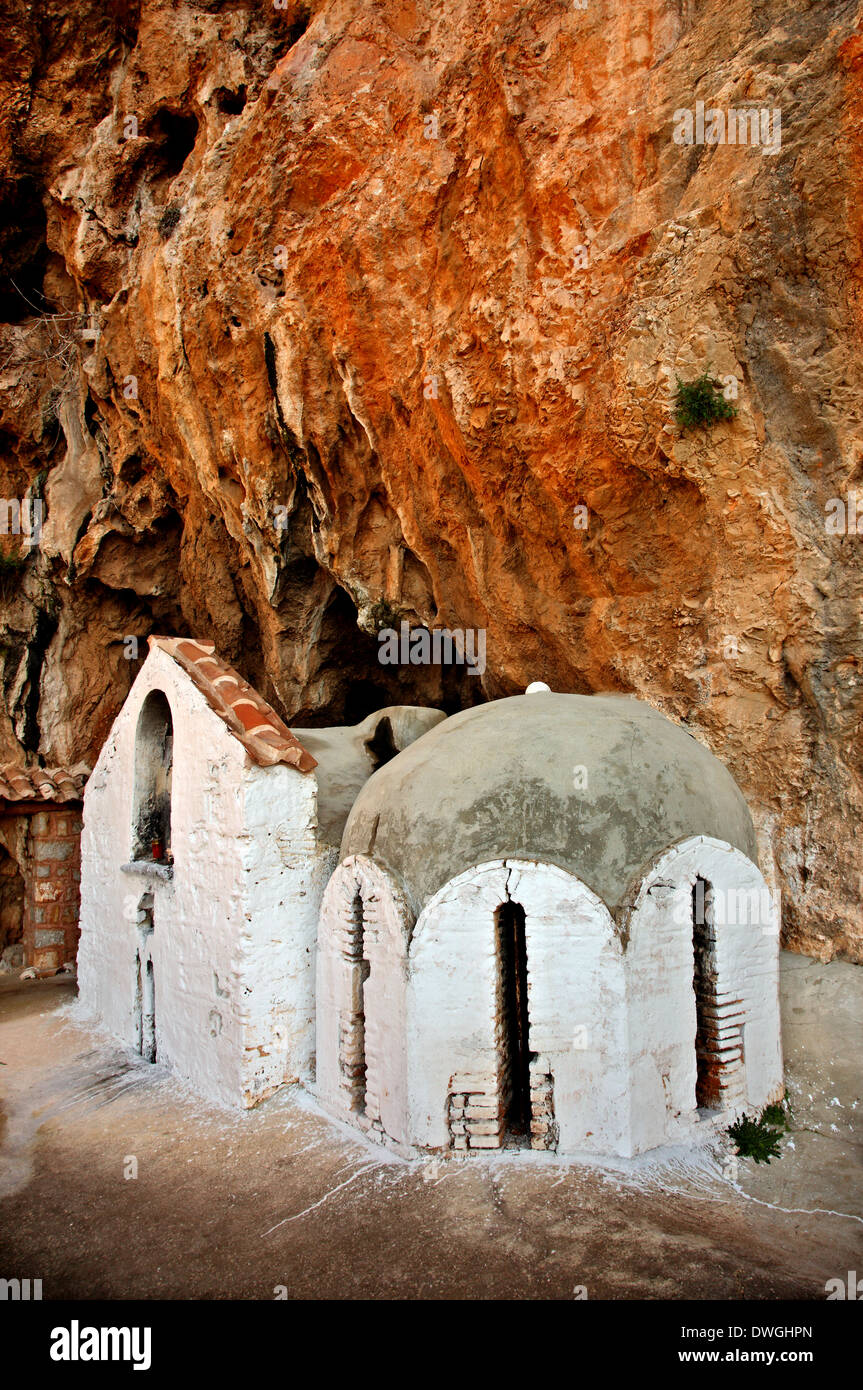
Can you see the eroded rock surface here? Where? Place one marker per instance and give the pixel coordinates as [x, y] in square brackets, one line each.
[354, 305]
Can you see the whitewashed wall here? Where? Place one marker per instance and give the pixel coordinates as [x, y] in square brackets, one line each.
[234, 930]
[451, 998]
[575, 1000]
[386, 924]
[661, 1000]
[615, 1029]
[284, 872]
[197, 915]
[249, 955]
[577, 1006]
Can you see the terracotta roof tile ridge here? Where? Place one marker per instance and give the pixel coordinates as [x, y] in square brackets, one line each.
[20, 781]
[248, 716]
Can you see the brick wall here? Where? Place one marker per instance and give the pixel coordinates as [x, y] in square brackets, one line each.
[53, 876]
[543, 1127]
[476, 1108]
[476, 1111]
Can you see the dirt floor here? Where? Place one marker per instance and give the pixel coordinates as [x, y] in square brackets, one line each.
[280, 1201]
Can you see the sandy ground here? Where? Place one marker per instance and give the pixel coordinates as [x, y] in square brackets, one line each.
[231, 1205]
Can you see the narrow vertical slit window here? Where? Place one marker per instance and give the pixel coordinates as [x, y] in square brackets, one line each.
[139, 1006]
[148, 1030]
[512, 1021]
[145, 984]
[354, 1058]
[708, 1063]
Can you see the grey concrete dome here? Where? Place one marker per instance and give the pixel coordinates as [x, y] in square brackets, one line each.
[497, 781]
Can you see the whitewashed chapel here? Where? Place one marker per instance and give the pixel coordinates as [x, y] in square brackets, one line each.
[539, 922]
[209, 835]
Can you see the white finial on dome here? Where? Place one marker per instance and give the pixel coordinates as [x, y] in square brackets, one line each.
[538, 688]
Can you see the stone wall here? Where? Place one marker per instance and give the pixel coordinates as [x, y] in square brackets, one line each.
[661, 1001]
[476, 1109]
[361, 1025]
[612, 1006]
[234, 916]
[285, 870]
[52, 874]
[577, 1025]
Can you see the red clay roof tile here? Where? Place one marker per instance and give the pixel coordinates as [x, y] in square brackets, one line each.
[266, 738]
[58, 784]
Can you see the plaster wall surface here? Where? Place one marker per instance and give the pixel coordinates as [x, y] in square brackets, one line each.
[284, 872]
[576, 1002]
[198, 915]
[577, 1005]
[648, 783]
[346, 762]
[615, 1028]
[341, 992]
[661, 1005]
[451, 1000]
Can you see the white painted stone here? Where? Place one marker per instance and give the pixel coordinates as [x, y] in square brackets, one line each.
[575, 979]
[258, 982]
[614, 1028]
[386, 924]
[451, 1000]
[234, 928]
[575, 974]
[661, 998]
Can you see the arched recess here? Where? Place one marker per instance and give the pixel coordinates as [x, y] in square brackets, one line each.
[702, 975]
[154, 758]
[576, 1022]
[363, 930]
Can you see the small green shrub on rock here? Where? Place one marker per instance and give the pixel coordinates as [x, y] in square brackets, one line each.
[777, 1116]
[700, 403]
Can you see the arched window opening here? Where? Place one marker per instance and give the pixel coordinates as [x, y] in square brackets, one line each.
[154, 756]
[708, 1057]
[512, 1023]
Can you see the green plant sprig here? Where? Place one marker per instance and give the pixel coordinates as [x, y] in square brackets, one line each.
[759, 1139]
[700, 403]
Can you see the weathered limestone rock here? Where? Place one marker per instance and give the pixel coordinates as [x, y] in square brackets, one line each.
[362, 304]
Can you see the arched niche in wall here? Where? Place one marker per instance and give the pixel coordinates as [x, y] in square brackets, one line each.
[361, 965]
[154, 756]
[702, 976]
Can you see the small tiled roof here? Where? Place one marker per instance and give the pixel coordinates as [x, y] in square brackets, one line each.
[266, 738]
[20, 783]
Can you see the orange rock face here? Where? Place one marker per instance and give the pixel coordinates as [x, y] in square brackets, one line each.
[321, 317]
